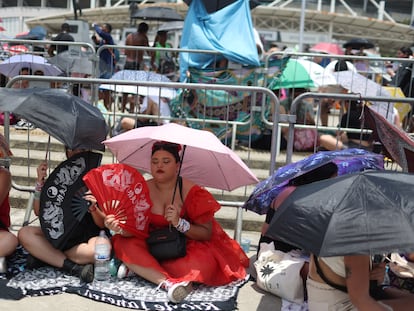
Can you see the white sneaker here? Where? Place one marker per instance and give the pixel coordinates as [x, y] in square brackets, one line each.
[176, 291]
[123, 272]
[3, 265]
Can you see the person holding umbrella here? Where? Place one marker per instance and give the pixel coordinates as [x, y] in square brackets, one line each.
[8, 241]
[211, 258]
[77, 256]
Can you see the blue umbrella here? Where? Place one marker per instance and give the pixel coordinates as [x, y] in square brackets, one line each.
[348, 161]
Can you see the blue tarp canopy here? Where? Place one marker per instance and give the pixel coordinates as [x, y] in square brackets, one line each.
[228, 31]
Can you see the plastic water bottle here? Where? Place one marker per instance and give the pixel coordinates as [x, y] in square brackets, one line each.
[386, 281]
[102, 257]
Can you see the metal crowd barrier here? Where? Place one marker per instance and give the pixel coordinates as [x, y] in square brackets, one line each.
[184, 86]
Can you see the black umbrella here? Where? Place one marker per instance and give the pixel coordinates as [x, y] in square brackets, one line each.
[62, 207]
[358, 43]
[364, 213]
[216, 5]
[157, 13]
[68, 118]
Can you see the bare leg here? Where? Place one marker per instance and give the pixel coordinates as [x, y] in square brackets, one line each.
[34, 241]
[127, 123]
[149, 274]
[330, 142]
[8, 243]
[83, 253]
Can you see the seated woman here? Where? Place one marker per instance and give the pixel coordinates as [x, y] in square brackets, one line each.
[8, 241]
[78, 255]
[150, 105]
[343, 283]
[346, 139]
[212, 257]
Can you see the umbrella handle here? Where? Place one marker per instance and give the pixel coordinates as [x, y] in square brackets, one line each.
[178, 175]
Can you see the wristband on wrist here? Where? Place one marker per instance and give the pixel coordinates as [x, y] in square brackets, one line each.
[183, 225]
[37, 195]
[38, 186]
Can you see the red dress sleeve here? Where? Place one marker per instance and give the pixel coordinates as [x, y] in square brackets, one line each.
[200, 206]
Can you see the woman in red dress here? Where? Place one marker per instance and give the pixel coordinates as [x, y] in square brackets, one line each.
[212, 257]
[8, 241]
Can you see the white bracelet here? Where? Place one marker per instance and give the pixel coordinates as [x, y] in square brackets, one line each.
[183, 225]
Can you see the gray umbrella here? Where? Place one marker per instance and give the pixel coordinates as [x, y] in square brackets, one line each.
[157, 13]
[364, 213]
[71, 63]
[68, 118]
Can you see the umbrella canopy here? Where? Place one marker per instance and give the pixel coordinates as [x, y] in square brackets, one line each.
[62, 207]
[328, 48]
[140, 75]
[363, 213]
[11, 67]
[157, 13]
[358, 43]
[348, 161]
[74, 122]
[397, 144]
[359, 84]
[301, 73]
[206, 162]
[173, 25]
[73, 64]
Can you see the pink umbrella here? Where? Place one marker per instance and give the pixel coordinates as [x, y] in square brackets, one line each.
[206, 162]
[328, 48]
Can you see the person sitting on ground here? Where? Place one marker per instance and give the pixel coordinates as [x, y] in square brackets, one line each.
[326, 171]
[8, 241]
[346, 139]
[344, 283]
[78, 256]
[212, 257]
[150, 105]
[304, 138]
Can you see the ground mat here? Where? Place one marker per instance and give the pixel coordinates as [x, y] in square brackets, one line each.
[131, 292]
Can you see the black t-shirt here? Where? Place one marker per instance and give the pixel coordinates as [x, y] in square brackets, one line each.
[351, 119]
[63, 36]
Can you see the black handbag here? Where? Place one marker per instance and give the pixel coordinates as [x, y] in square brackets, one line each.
[166, 243]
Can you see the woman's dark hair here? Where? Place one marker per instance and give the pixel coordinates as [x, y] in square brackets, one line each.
[172, 148]
[320, 173]
[341, 65]
[406, 51]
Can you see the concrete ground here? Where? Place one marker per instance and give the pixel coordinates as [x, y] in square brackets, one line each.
[250, 296]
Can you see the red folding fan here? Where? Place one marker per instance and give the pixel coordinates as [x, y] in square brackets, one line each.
[122, 191]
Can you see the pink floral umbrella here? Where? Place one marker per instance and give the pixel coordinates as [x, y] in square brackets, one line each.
[328, 48]
[207, 161]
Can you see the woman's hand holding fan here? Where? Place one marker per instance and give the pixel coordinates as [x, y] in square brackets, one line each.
[121, 191]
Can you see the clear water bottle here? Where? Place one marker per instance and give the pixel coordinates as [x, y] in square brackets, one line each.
[386, 281]
[102, 257]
